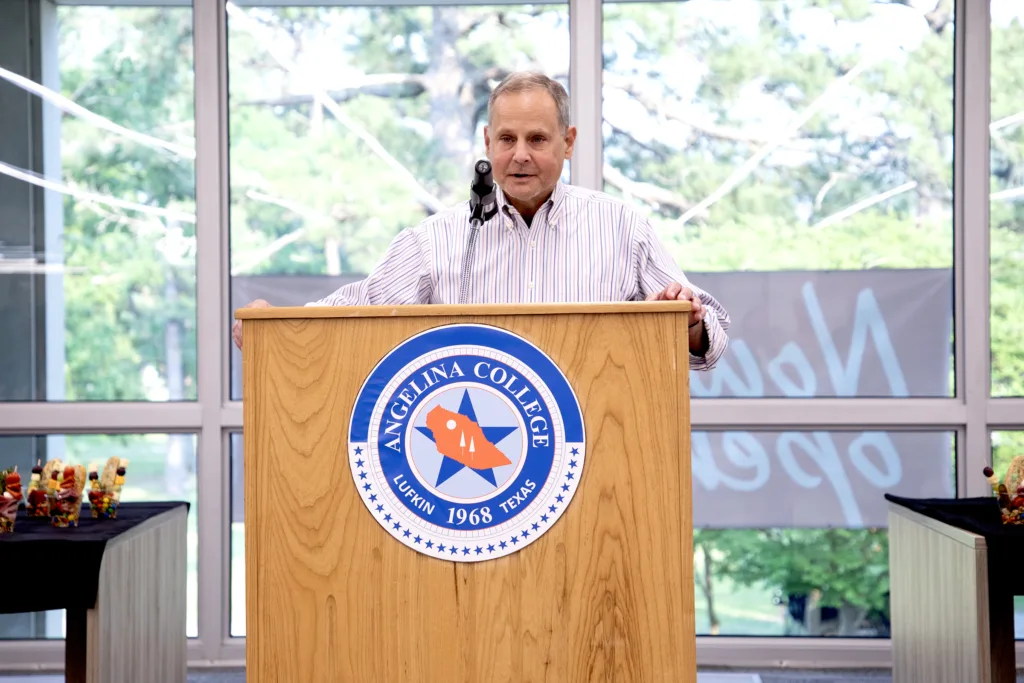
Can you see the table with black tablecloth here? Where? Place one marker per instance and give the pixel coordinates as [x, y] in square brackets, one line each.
[953, 572]
[122, 582]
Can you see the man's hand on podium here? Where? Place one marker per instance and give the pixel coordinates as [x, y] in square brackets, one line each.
[676, 292]
[236, 329]
[699, 342]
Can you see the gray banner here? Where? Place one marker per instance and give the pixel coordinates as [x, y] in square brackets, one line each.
[875, 333]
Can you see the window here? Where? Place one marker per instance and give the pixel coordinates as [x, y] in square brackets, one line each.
[97, 246]
[329, 163]
[1006, 212]
[160, 467]
[796, 157]
[350, 124]
[1005, 447]
[789, 527]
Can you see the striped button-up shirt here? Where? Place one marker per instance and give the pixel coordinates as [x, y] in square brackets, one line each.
[582, 246]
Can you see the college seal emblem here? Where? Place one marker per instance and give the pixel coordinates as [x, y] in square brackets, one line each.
[466, 443]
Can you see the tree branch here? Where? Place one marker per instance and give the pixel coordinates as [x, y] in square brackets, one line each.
[677, 113]
[642, 145]
[1007, 121]
[248, 261]
[378, 85]
[645, 192]
[423, 196]
[38, 180]
[866, 203]
[71, 107]
[787, 133]
[472, 24]
[469, 24]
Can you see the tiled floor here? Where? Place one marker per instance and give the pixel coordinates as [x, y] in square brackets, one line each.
[239, 677]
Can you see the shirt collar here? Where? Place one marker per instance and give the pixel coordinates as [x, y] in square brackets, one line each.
[554, 203]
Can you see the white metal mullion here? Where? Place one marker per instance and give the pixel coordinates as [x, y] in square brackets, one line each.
[1006, 413]
[211, 325]
[585, 78]
[971, 117]
[822, 414]
[78, 418]
[231, 416]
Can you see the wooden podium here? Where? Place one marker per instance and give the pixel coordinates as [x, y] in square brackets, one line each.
[606, 594]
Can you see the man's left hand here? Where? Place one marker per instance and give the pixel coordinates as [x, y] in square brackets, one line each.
[698, 334]
[677, 292]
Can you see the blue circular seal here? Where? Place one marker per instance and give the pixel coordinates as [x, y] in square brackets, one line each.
[466, 442]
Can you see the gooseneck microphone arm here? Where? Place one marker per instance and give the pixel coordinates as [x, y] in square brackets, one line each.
[483, 205]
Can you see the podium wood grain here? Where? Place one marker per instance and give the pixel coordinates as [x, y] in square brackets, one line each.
[605, 595]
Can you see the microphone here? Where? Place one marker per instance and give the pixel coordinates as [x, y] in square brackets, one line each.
[483, 204]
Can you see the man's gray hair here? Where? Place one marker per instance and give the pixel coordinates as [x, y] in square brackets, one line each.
[520, 81]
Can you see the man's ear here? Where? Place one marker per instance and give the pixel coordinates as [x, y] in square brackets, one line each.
[570, 141]
[487, 142]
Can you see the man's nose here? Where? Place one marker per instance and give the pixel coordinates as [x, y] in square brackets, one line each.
[522, 153]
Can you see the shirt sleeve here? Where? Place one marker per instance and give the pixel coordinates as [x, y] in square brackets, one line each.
[656, 269]
[401, 277]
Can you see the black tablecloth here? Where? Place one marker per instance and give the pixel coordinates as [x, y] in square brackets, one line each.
[44, 568]
[981, 516]
[977, 515]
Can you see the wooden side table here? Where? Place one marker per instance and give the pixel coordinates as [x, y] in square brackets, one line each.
[951, 601]
[133, 631]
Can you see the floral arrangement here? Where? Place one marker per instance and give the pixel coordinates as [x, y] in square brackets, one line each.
[1010, 506]
[10, 497]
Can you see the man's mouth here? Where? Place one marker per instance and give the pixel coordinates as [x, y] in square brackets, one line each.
[520, 175]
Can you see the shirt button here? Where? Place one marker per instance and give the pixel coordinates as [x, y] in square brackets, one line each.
[531, 285]
[533, 243]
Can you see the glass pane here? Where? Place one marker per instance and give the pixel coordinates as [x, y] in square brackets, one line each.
[790, 527]
[237, 537]
[795, 156]
[97, 245]
[161, 467]
[351, 124]
[1005, 447]
[1006, 215]
[792, 582]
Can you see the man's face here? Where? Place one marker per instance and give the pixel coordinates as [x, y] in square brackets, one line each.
[527, 147]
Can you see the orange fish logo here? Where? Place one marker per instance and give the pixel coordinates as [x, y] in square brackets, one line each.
[462, 439]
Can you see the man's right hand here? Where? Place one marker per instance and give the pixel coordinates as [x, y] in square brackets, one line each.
[236, 329]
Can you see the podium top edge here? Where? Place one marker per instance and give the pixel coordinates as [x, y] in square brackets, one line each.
[433, 310]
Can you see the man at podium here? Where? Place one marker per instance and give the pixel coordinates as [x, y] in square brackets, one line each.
[535, 239]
